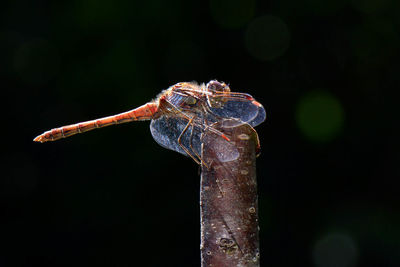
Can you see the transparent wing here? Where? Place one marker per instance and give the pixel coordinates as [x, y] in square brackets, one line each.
[238, 106]
[167, 129]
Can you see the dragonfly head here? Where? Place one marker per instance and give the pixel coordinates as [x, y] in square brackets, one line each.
[216, 93]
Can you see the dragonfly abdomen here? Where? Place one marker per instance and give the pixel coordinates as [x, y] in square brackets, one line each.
[145, 112]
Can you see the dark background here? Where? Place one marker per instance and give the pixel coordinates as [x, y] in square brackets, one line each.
[326, 71]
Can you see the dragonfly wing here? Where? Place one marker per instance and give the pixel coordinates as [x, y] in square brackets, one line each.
[167, 129]
[244, 110]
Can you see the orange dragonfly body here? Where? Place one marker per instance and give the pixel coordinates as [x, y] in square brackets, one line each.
[179, 114]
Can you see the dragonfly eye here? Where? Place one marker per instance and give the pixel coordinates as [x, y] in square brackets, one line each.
[218, 92]
[216, 86]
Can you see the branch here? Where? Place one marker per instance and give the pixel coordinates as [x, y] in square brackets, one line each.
[228, 198]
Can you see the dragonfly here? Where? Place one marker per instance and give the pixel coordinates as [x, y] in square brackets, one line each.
[180, 115]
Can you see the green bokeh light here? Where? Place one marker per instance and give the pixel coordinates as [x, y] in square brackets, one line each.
[319, 116]
[335, 250]
[232, 13]
[267, 38]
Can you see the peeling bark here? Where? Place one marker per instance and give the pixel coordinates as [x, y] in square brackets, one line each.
[228, 199]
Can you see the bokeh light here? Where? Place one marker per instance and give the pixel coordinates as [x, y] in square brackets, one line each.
[267, 38]
[319, 116]
[232, 13]
[335, 250]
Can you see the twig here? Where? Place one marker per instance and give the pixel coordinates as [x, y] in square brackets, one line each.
[228, 199]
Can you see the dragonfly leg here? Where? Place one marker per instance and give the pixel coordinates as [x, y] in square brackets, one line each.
[258, 146]
[190, 122]
[183, 147]
[194, 151]
[219, 133]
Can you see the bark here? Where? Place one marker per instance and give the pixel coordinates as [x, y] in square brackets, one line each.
[228, 198]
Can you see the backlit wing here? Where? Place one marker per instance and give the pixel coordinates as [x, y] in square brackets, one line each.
[167, 129]
[238, 106]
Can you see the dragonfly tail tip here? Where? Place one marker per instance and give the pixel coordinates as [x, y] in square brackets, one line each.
[38, 139]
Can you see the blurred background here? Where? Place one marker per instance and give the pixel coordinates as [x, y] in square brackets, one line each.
[326, 71]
